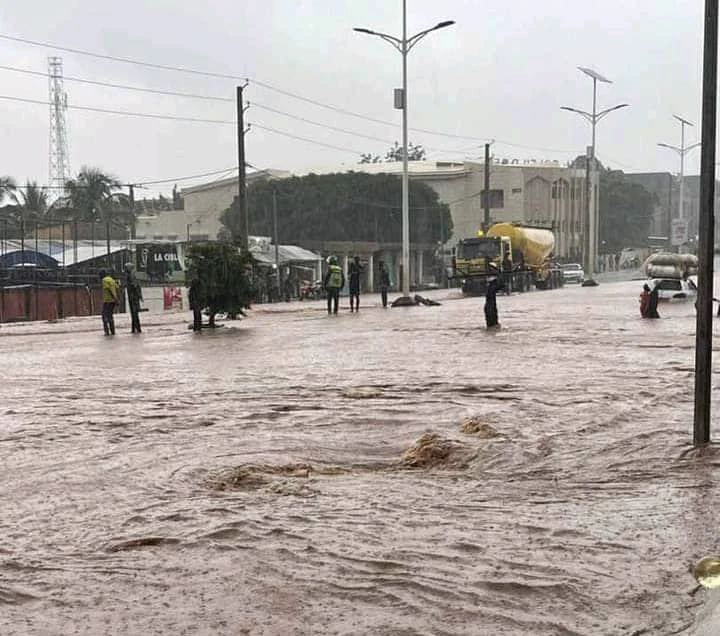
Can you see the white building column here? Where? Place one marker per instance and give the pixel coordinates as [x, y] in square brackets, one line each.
[371, 272]
[419, 268]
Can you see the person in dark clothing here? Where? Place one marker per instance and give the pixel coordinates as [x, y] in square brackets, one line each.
[507, 268]
[491, 313]
[354, 272]
[134, 296]
[333, 283]
[652, 305]
[645, 300]
[195, 303]
[384, 283]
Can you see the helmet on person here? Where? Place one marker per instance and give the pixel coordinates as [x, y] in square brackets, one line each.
[332, 260]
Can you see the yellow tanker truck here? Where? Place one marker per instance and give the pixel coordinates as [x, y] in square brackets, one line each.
[529, 249]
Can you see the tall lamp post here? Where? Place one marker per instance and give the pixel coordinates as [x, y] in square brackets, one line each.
[404, 45]
[682, 150]
[590, 248]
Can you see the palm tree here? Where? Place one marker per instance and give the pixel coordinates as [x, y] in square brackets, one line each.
[93, 197]
[7, 187]
[31, 205]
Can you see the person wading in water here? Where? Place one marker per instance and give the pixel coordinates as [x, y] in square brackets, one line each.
[491, 313]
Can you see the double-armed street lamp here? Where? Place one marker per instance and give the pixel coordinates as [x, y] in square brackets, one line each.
[404, 45]
[682, 150]
[590, 249]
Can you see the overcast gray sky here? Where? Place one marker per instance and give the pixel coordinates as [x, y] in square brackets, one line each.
[502, 72]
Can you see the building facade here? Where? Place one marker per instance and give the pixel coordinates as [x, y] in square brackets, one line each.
[530, 192]
[204, 204]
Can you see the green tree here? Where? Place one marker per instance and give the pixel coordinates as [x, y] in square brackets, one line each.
[626, 211]
[31, 205]
[350, 206]
[7, 187]
[93, 197]
[415, 152]
[224, 271]
[88, 192]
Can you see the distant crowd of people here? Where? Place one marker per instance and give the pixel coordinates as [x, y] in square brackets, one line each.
[333, 282]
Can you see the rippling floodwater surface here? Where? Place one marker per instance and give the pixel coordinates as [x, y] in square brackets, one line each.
[265, 479]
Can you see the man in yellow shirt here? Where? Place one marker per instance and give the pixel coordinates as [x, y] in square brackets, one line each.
[110, 298]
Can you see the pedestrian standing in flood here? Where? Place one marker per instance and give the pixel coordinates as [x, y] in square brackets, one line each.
[134, 296]
[384, 282]
[653, 302]
[195, 303]
[491, 313]
[110, 298]
[333, 283]
[354, 272]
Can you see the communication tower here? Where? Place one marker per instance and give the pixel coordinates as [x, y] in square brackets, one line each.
[59, 158]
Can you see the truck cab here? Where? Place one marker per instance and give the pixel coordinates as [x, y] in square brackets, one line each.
[474, 259]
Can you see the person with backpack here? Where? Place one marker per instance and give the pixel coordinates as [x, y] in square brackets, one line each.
[333, 283]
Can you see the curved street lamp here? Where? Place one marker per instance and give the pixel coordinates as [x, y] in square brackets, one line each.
[404, 45]
[682, 150]
[590, 251]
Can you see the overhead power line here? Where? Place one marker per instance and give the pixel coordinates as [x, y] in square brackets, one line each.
[139, 89]
[109, 111]
[180, 118]
[181, 69]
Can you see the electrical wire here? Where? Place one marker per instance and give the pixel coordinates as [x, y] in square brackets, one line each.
[180, 69]
[188, 119]
[120, 112]
[139, 89]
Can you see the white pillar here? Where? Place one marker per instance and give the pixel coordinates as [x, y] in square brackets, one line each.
[371, 272]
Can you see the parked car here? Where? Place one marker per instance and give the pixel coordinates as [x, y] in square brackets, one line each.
[573, 273]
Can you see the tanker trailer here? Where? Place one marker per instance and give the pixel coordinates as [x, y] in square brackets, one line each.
[531, 251]
[529, 248]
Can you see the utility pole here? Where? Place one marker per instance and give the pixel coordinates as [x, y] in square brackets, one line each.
[486, 220]
[275, 240]
[243, 225]
[703, 331]
[132, 209]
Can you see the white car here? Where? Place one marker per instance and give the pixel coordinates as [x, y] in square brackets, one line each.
[674, 288]
[573, 273]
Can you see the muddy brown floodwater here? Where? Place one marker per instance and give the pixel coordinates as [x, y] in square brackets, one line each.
[389, 472]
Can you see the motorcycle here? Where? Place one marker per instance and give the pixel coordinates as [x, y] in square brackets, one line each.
[310, 290]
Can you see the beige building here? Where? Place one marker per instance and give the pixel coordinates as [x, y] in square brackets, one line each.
[533, 192]
[200, 220]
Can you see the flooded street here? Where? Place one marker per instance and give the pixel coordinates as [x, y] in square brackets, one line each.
[256, 480]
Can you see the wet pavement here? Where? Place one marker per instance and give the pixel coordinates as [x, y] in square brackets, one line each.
[398, 471]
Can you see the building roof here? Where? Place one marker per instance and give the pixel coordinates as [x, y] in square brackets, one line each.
[64, 253]
[269, 173]
[286, 254]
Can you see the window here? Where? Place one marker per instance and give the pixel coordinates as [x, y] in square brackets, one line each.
[516, 190]
[497, 198]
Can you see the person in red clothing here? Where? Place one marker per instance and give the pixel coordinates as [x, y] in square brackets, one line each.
[645, 300]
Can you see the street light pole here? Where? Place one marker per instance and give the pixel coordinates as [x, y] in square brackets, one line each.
[590, 247]
[404, 46]
[405, 176]
[682, 151]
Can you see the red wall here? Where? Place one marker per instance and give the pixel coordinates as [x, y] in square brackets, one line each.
[49, 303]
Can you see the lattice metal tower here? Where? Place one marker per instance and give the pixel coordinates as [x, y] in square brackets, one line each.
[59, 158]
